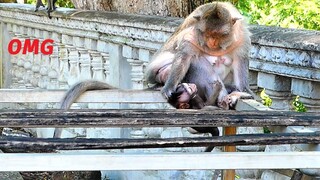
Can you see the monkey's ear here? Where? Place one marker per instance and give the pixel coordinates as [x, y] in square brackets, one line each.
[197, 17]
[234, 20]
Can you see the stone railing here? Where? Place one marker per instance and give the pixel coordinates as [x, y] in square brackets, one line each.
[115, 48]
[87, 45]
[287, 62]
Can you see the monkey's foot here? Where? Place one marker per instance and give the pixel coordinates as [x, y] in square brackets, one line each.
[230, 101]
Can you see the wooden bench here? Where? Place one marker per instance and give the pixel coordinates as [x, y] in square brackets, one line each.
[85, 161]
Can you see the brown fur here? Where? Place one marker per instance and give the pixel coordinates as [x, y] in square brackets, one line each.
[210, 47]
[214, 29]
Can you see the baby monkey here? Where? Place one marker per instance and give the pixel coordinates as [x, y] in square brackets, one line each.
[51, 6]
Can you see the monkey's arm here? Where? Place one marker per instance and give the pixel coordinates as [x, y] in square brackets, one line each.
[179, 69]
[240, 64]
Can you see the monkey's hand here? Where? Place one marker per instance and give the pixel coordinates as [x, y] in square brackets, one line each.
[168, 91]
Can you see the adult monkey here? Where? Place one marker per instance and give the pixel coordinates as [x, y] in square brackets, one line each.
[213, 34]
[214, 31]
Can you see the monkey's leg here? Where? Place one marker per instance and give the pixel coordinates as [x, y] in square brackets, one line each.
[51, 7]
[231, 99]
[217, 87]
[54, 4]
[158, 69]
[240, 67]
[38, 4]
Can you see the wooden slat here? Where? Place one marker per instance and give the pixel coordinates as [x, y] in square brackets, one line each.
[148, 118]
[179, 161]
[97, 96]
[49, 144]
[229, 173]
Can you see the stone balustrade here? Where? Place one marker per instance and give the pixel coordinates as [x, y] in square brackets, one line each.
[287, 62]
[87, 45]
[115, 48]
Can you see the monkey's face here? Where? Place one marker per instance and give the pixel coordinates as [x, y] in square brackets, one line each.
[216, 26]
[216, 36]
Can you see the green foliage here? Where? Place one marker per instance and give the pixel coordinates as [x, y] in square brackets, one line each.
[60, 3]
[298, 105]
[285, 13]
[266, 130]
[266, 100]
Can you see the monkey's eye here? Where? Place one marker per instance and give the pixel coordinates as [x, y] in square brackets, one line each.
[225, 33]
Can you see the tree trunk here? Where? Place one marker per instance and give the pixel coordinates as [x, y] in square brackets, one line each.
[177, 8]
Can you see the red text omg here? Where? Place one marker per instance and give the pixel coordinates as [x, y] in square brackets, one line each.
[30, 45]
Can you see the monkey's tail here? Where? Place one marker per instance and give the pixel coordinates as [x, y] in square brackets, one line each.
[75, 92]
[214, 131]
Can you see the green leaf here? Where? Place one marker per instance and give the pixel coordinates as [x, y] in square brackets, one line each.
[266, 100]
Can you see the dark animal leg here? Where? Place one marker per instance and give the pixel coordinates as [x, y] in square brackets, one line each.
[38, 4]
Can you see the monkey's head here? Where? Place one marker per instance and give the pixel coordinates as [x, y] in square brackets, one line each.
[216, 25]
[183, 94]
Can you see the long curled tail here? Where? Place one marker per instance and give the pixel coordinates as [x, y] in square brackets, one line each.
[75, 92]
